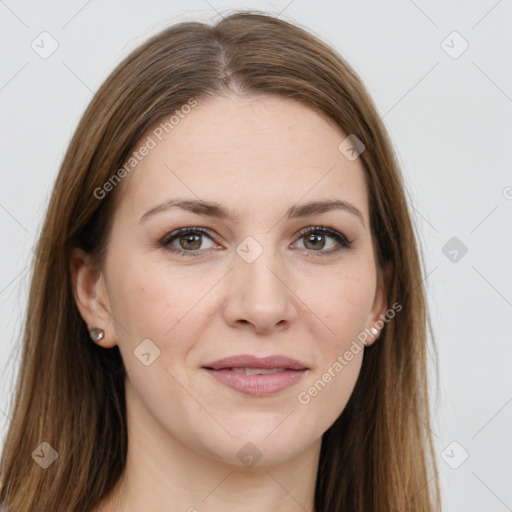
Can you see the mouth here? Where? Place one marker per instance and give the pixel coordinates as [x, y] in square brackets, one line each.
[255, 376]
[256, 371]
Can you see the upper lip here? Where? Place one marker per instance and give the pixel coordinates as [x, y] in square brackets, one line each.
[250, 361]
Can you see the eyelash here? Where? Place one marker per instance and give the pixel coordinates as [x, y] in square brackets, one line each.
[343, 241]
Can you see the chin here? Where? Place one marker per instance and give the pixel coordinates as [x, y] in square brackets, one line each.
[262, 448]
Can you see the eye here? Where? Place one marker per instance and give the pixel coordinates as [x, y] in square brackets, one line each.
[314, 240]
[189, 240]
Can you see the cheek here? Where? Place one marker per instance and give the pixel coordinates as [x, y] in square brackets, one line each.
[142, 302]
[153, 303]
[346, 303]
[149, 298]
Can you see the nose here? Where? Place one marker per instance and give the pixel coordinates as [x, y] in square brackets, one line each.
[258, 295]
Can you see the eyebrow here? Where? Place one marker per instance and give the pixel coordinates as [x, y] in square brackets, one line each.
[216, 210]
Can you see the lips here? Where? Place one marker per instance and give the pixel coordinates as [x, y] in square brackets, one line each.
[249, 361]
[257, 376]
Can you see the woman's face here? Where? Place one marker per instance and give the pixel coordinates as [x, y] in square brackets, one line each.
[253, 286]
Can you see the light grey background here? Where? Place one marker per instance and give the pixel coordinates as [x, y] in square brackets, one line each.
[450, 122]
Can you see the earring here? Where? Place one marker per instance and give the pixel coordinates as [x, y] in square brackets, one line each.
[374, 330]
[96, 333]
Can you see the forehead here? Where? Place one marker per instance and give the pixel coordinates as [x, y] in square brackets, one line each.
[253, 154]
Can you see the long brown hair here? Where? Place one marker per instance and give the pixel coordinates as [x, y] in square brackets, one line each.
[378, 455]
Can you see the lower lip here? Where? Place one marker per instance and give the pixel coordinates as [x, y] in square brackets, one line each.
[257, 385]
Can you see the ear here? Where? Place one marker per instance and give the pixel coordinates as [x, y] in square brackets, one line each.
[380, 303]
[90, 293]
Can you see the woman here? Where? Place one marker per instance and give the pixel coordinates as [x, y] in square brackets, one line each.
[227, 308]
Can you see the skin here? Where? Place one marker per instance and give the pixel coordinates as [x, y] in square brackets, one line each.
[257, 156]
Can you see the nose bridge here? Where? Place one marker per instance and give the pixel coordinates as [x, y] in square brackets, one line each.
[259, 293]
[257, 264]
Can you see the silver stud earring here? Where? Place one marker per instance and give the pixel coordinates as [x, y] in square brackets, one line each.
[374, 331]
[96, 333]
